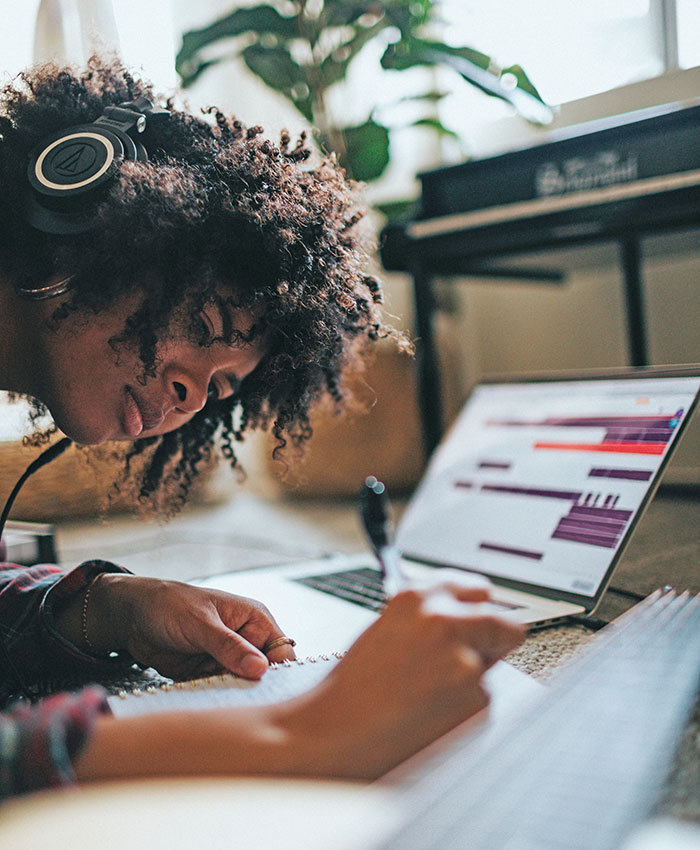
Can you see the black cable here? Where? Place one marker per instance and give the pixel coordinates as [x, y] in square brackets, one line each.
[45, 457]
[630, 594]
[592, 623]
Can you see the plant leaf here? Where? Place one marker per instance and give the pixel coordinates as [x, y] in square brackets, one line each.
[305, 106]
[333, 68]
[342, 13]
[475, 67]
[367, 150]
[409, 15]
[433, 96]
[394, 210]
[196, 69]
[258, 19]
[436, 125]
[524, 81]
[408, 53]
[274, 66]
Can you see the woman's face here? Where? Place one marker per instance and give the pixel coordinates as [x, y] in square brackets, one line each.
[95, 393]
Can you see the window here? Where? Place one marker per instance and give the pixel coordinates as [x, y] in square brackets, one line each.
[688, 29]
[571, 49]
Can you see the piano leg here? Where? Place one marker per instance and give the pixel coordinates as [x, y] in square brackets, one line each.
[429, 385]
[631, 256]
[429, 388]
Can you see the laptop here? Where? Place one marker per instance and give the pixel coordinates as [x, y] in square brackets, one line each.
[536, 489]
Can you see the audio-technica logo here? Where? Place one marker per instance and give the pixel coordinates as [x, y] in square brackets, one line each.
[74, 160]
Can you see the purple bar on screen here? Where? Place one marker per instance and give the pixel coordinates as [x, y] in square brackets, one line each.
[592, 519]
[648, 435]
[494, 464]
[507, 550]
[589, 539]
[607, 513]
[631, 474]
[646, 422]
[610, 530]
[569, 495]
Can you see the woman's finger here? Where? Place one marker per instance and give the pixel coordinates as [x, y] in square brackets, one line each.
[493, 637]
[280, 648]
[234, 652]
[467, 594]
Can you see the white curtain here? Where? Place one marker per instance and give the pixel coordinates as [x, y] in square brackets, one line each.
[70, 31]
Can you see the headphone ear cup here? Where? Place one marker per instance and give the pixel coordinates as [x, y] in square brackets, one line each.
[70, 171]
[74, 162]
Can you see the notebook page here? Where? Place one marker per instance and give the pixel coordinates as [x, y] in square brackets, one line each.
[281, 682]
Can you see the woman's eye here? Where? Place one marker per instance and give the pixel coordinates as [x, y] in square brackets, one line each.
[204, 329]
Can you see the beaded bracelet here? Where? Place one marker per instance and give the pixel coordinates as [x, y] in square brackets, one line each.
[83, 618]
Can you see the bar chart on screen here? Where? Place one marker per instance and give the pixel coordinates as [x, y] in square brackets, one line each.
[541, 482]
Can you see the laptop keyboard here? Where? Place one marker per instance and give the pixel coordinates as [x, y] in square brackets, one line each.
[581, 767]
[362, 586]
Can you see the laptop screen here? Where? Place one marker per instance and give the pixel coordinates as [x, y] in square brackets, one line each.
[539, 483]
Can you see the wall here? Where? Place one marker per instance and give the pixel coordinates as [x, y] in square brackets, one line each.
[505, 327]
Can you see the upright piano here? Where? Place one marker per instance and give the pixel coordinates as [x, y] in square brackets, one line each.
[617, 179]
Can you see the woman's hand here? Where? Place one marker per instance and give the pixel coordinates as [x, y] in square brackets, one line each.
[181, 630]
[412, 676]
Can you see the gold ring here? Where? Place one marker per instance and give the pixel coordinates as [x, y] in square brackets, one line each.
[280, 641]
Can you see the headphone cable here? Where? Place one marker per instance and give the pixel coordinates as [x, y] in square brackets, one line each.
[45, 457]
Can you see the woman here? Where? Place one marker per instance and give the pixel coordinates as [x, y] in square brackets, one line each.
[190, 280]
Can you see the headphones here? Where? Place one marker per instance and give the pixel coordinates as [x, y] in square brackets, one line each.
[70, 171]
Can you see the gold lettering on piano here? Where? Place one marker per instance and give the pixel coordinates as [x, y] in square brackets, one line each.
[581, 174]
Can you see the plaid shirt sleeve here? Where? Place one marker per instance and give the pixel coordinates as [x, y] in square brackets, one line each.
[39, 741]
[28, 598]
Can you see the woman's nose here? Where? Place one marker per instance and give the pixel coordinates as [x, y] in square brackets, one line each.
[190, 397]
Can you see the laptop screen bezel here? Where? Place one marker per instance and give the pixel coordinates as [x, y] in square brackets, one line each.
[589, 603]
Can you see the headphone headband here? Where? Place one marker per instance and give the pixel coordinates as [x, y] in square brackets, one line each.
[69, 172]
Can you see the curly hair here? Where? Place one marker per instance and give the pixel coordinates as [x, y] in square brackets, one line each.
[216, 205]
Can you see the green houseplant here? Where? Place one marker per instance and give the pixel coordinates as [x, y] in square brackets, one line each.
[304, 48]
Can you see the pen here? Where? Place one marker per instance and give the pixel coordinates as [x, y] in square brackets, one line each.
[379, 530]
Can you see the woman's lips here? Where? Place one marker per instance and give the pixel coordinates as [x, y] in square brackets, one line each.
[140, 414]
[133, 421]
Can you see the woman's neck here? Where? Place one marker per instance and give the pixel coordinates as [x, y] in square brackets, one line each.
[20, 324]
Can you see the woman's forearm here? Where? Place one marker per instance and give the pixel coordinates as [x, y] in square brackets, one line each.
[412, 676]
[253, 741]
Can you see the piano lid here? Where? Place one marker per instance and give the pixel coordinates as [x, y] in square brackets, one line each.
[640, 169]
[629, 147]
